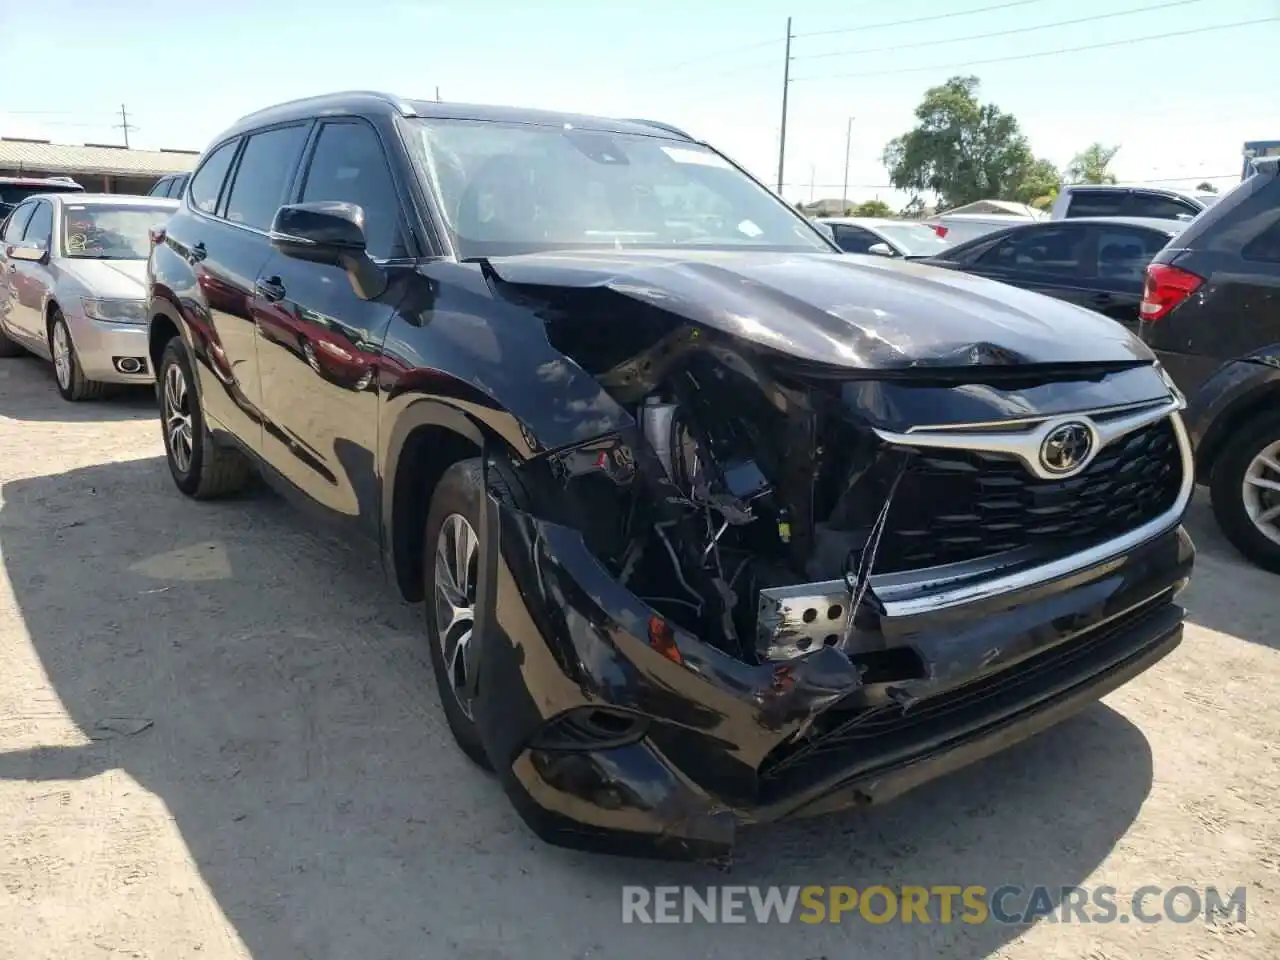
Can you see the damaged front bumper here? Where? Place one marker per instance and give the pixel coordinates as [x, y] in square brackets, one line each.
[614, 730]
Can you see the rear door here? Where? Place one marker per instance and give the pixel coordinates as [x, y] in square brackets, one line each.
[30, 280]
[14, 227]
[1049, 258]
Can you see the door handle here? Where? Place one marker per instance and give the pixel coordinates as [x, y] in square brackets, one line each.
[270, 289]
[198, 253]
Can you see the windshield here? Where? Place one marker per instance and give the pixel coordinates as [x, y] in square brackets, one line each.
[519, 188]
[915, 239]
[101, 232]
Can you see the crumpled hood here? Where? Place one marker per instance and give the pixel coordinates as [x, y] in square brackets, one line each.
[851, 311]
[109, 279]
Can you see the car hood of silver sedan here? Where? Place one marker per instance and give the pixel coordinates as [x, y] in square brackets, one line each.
[109, 279]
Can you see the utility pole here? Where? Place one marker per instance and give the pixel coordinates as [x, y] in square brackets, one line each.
[124, 125]
[813, 177]
[437, 93]
[848, 140]
[786, 84]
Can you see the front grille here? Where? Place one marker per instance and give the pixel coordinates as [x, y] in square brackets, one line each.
[953, 506]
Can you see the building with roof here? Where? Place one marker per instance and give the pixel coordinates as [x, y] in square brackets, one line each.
[98, 167]
[999, 208]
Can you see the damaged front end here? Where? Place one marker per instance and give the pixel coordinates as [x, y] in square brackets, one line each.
[788, 586]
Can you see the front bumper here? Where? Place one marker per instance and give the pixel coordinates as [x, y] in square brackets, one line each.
[717, 738]
[100, 345]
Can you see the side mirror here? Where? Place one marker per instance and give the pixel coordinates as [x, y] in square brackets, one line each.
[330, 232]
[33, 251]
[881, 250]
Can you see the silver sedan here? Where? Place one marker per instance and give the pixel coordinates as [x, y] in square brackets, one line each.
[72, 282]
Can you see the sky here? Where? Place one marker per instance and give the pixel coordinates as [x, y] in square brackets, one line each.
[1179, 107]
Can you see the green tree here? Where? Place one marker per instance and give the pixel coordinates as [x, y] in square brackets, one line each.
[1092, 165]
[1040, 185]
[963, 150]
[871, 208]
[1206, 187]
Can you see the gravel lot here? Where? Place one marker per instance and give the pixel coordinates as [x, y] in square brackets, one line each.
[219, 738]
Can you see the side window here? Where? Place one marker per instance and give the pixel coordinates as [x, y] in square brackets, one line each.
[854, 239]
[1096, 203]
[16, 225]
[160, 188]
[206, 186]
[263, 174]
[1161, 207]
[348, 164]
[1123, 254]
[1266, 245]
[40, 227]
[1049, 250]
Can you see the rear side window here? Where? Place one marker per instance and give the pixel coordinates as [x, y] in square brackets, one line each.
[1161, 207]
[265, 169]
[17, 223]
[1096, 203]
[1266, 245]
[1123, 254]
[207, 183]
[1048, 250]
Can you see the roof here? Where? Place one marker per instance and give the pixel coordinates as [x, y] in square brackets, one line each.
[873, 222]
[1008, 207]
[43, 157]
[1169, 227]
[366, 101]
[115, 200]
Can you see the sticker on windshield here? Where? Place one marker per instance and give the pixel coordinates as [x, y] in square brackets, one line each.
[749, 229]
[701, 158]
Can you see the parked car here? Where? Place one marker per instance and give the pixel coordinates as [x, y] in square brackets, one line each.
[957, 228]
[1098, 263]
[13, 190]
[1212, 313]
[169, 186]
[702, 510]
[73, 266]
[883, 236]
[1106, 200]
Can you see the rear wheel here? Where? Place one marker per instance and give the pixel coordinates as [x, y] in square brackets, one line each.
[72, 383]
[1245, 488]
[201, 468]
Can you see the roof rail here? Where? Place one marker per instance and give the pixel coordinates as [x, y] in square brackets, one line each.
[398, 103]
[661, 126]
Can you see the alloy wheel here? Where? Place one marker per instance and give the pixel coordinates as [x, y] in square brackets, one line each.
[1261, 491]
[62, 355]
[177, 417]
[456, 570]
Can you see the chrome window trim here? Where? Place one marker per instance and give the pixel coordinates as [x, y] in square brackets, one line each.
[1025, 444]
[902, 596]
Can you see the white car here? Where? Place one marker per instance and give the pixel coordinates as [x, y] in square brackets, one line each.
[72, 285]
[883, 237]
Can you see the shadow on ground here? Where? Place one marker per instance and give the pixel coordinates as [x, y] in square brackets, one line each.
[296, 739]
[40, 400]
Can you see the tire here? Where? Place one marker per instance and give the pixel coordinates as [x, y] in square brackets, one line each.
[1227, 493]
[72, 384]
[457, 495]
[8, 348]
[207, 471]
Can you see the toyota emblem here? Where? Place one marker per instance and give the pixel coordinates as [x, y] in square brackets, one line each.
[1066, 449]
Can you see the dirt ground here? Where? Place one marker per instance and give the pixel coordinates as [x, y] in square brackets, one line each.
[219, 739]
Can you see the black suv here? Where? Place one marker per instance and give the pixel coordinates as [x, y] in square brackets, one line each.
[1212, 312]
[714, 523]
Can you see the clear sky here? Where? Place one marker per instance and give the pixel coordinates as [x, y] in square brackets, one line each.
[1180, 107]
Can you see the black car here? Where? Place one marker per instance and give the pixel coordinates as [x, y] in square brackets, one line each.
[714, 524]
[1096, 263]
[171, 185]
[1212, 313]
[13, 190]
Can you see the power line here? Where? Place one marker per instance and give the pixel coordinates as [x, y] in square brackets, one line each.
[999, 33]
[1044, 53]
[929, 19]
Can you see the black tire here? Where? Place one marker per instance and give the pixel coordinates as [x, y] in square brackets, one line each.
[458, 492]
[212, 471]
[8, 348]
[1226, 489]
[78, 387]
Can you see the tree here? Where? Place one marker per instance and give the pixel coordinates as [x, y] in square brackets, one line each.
[963, 150]
[1040, 185]
[872, 208]
[1092, 164]
[1206, 187]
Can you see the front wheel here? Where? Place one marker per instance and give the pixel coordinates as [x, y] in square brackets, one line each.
[1245, 490]
[201, 468]
[72, 383]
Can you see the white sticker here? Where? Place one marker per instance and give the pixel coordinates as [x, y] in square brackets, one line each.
[701, 158]
[747, 228]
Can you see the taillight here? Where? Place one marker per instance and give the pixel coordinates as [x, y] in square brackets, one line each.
[939, 229]
[1165, 288]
